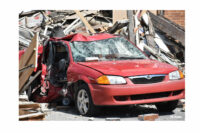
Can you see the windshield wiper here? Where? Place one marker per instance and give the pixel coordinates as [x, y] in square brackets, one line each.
[126, 57]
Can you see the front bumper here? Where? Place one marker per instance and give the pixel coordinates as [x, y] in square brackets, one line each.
[137, 93]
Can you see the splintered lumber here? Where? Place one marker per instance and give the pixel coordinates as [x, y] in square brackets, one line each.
[118, 25]
[159, 55]
[168, 27]
[151, 42]
[33, 116]
[29, 105]
[31, 80]
[85, 22]
[26, 67]
[131, 24]
[67, 30]
[28, 58]
[30, 111]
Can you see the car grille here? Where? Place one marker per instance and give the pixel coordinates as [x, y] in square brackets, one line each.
[148, 96]
[155, 95]
[147, 79]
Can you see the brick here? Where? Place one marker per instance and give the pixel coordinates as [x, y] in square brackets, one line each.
[148, 117]
[119, 15]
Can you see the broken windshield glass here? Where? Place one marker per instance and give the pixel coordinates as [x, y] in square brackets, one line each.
[117, 48]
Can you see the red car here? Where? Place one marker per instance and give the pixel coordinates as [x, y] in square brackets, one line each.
[103, 70]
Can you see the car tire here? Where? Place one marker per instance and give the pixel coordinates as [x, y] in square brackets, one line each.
[166, 106]
[84, 103]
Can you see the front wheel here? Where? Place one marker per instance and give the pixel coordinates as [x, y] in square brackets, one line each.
[167, 106]
[84, 103]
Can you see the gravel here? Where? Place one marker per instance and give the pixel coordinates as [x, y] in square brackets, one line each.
[125, 113]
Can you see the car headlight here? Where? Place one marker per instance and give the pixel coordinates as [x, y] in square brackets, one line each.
[176, 75]
[111, 80]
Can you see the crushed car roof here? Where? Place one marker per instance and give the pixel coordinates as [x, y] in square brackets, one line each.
[80, 37]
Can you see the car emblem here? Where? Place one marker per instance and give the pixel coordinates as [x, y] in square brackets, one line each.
[148, 77]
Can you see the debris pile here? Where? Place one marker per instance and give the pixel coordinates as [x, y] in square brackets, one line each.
[158, 37]
[30, 111]
[58, 23]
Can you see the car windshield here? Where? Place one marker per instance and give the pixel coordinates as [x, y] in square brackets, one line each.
[117, 48]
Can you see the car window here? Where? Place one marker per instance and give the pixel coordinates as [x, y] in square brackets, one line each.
[117, 48]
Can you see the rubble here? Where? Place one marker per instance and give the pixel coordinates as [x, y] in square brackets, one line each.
[157, 36]
[142, 27]
[30, 111]
[148, 117]
[29, 62]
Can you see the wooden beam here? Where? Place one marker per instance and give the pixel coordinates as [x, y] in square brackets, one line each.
[32, 116]
[118, 25]
[168, 27]
[151, 28]
[29, 82]
[85, 22]
[131, 24]
[28, 58]
[151, 42]
[30, 105]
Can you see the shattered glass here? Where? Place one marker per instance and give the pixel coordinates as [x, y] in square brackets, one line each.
[117, 48]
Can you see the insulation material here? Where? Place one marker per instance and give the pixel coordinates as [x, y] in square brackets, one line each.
[34, 20]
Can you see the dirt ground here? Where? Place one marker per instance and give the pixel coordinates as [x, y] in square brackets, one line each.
[128, 113]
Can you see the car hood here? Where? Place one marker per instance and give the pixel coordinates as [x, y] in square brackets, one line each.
[130, 67]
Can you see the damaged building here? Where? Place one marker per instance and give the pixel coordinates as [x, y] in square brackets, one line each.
[44, 59]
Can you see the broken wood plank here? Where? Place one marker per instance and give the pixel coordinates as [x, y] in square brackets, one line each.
[151, 42]
[85, 22]
[118, 25]
[25, 111]
[159, 55]
[31, 50]
[150, 25]
[137, 23]
[26, 67]
[32, 116]
[98, 20]
[74, 25]
[28, 58]
[28, 13]
[29, 105]
[168, 27]
[29, 82]
[131, 34]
